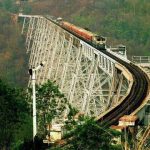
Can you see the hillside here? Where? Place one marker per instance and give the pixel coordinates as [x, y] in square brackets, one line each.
[58, 8]
[121, 21]
[13, 59]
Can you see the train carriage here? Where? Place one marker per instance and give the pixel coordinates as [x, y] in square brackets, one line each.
[96, 40]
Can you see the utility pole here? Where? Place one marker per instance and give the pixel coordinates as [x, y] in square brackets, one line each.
[32, 73]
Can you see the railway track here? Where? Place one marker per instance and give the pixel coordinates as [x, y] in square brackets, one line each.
[136, 95]
[134, 99]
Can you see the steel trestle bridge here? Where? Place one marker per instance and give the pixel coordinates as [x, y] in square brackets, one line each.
[103, 84]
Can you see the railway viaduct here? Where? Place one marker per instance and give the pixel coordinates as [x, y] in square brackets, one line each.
[104, 84]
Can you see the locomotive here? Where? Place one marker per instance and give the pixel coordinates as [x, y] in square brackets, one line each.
[95, 40]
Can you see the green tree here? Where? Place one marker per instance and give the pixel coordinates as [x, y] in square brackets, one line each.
[90, 136]
[13, 7]
[50, 104]
[9, 5]
[83, 132]
[13, 111]
[13, 62]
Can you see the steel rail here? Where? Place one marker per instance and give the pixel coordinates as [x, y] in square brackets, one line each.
[136, 95]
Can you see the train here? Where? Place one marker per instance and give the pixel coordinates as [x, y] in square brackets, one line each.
[140, 87]
[95, 40]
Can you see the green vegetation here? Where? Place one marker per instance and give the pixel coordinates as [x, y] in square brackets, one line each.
[121, 21]
[85, 133]
[50, 105]
[15, 119]
[13, 7]
[91, 136]
[13, 115]
[9, 5]
[16, 122]
[78, 131]
[13, 62]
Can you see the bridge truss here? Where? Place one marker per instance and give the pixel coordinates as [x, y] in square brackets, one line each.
[90, 79]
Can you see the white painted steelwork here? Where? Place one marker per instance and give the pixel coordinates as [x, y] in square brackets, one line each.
[89, 78]
[141, 59]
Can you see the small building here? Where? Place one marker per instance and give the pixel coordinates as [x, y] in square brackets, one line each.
[128, 120]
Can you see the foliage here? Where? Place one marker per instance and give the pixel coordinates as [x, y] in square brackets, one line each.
[13, 113]
[13, 62]
[27, 9]
[98, 137]
[70, 122]
[83, 132]
[28, 145]
[50, 104]
[87, 134]
[10, 6]
[24, 134]
[13, 7]
[121, 21]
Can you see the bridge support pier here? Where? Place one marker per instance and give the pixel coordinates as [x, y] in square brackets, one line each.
[89, 79]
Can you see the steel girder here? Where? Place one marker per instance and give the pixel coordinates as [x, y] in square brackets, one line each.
[87, 77]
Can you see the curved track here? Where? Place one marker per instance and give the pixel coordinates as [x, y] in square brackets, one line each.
[135, 97]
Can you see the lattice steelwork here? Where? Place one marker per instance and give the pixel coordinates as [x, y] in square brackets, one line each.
[87, 77]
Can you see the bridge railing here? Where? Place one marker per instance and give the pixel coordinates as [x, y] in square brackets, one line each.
[90, 79]
[141, 59]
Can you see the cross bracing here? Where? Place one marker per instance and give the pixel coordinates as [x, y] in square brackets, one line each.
[89, 78]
